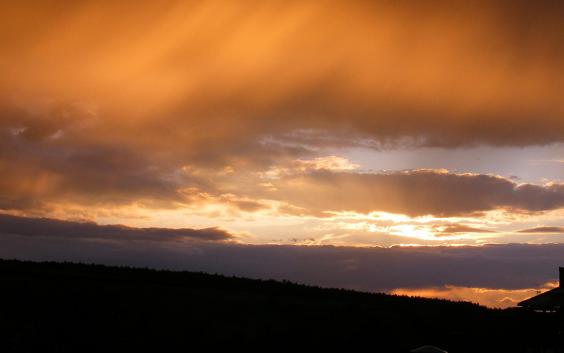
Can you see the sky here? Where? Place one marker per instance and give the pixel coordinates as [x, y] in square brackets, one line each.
[336, 130]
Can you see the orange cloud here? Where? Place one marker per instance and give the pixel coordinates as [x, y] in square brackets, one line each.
[450, 73]
[236, 100]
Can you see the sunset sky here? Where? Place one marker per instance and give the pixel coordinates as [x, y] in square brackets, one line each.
[238, 129]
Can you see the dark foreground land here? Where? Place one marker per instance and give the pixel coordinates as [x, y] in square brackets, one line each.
[50, 307]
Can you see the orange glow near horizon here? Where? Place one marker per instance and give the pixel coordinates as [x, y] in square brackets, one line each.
[490, 297]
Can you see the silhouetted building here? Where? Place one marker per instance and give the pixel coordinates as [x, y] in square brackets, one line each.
[552, 300]
[428, 349]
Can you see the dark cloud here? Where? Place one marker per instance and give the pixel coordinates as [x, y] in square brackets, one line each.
[373, 269]
[43, 227]
[415, 193]
[543, 230]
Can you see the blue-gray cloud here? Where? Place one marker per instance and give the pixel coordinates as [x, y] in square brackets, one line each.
[52, 228]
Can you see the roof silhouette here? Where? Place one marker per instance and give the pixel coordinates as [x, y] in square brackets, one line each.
[428, 349]
[551, 300]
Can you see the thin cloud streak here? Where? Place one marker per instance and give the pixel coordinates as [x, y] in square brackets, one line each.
[543, 230]
[51, 228]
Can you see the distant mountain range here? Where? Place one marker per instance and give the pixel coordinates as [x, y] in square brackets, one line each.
[64, 307]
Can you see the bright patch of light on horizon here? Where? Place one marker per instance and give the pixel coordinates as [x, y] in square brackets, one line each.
[491, 297]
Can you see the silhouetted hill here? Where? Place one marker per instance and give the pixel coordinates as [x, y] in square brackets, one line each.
[63, 307]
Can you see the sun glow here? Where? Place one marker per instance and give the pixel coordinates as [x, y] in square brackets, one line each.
[412, 231]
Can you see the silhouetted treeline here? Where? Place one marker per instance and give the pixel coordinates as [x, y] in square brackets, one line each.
[64, 307]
